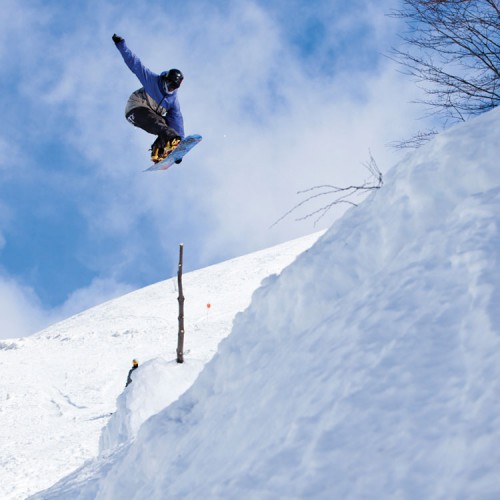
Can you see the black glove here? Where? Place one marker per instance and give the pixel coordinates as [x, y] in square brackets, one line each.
[168, 134]
[117, 39]
[178, 161]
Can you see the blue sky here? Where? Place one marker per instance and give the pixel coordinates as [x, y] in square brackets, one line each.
[287, 94]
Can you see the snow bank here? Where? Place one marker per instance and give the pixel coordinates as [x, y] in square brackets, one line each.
[154, 386]
[367, 369]
[60, 386]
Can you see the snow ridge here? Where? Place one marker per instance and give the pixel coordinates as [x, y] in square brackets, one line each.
[60, 386]
[367, 369]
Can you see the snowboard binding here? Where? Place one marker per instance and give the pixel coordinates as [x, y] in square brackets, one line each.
[176, 152]
[159, 153]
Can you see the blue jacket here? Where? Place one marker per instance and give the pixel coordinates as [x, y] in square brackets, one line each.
[154, 86]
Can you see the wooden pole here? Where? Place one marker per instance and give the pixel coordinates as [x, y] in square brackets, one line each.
[180, 337]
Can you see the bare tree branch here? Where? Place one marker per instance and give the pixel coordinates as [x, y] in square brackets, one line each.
[452, 50]
[419, 139]
[341, 195]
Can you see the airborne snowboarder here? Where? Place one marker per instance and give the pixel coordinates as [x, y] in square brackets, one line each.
[154, 107]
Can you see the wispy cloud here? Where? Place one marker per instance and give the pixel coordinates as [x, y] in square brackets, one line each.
[20, 310]
[279, 110]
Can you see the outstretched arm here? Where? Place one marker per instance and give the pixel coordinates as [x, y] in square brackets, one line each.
[135, 65]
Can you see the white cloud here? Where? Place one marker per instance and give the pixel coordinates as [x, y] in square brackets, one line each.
[270, 128]
[100, 290]
[20, 310]
[22, 313]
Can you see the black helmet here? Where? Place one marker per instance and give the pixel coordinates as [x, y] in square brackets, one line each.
[173, 79]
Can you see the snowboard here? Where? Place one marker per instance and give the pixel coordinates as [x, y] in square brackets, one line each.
[186, 145]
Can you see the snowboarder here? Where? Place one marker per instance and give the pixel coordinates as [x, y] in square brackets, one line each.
[154, 107]
[135, 365]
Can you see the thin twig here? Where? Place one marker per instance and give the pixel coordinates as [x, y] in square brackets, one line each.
[343, 194]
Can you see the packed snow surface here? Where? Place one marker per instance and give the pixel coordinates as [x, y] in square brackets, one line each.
[369, 368]
[60, 387]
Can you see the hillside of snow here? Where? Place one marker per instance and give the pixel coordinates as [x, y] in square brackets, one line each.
[60, 387]
[369, 368]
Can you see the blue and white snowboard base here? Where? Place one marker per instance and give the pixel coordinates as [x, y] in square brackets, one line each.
[186, 145]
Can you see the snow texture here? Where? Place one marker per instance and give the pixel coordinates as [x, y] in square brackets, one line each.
[367, 369]
[60, 387]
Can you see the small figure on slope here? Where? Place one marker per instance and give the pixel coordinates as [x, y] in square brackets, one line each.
[154, 107]
[135, 365]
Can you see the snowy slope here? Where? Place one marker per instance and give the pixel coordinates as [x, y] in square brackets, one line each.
[60, 386]
[368, 369]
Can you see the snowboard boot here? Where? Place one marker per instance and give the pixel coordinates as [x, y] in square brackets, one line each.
[161, 149]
